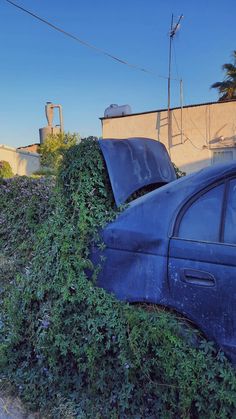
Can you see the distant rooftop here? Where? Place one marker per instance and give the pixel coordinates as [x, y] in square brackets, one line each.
[29, 145]
[31, 148]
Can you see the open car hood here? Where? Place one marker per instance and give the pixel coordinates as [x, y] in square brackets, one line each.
[133, 163]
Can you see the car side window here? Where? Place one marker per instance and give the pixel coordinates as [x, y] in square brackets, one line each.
[230, 215]
[201, 220]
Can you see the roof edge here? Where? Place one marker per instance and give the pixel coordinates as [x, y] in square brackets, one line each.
[166, 109]
[15, 150]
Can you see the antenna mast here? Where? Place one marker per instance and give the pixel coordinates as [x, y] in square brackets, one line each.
[173, 30]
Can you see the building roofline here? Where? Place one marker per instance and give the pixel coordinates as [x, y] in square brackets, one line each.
[29, 145]
[16, 150]
[165, 109]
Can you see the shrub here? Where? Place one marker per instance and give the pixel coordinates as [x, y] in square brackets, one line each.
[24, 204]
[53, 147]
[71, 348]
[5, 170]
[179, 173]
[43, 171]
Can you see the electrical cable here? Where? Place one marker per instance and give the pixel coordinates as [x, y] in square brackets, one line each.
[191, 142]
[197, 128]
[84, 43]
[186, 137]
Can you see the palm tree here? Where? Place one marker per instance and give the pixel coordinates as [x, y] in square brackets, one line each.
[227, 88]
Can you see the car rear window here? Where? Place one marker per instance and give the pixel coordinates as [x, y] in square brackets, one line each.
[230, 216]
[201, 220]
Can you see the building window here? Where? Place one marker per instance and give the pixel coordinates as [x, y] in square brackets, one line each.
[221, 156]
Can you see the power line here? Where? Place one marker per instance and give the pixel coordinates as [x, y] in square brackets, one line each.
[84, 43]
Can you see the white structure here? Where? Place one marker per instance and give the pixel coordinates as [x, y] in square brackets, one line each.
[115, 110]
[22, 162]
[50, 129]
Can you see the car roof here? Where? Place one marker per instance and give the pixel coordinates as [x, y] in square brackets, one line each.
[215, 171]
[153, 215]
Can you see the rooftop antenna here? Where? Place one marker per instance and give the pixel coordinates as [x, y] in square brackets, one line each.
[173, 30]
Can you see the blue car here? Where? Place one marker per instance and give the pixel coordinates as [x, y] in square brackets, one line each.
[174, 246]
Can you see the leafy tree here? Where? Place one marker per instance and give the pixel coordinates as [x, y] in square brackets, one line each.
[53, 147]
[227, 88]
[5, 170]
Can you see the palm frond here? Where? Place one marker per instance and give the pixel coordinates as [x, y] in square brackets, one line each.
[227, 88]
[229, 68]
[216, 85]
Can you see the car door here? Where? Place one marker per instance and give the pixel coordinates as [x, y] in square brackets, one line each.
[202, 263]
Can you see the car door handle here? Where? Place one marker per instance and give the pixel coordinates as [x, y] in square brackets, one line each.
[197, 277]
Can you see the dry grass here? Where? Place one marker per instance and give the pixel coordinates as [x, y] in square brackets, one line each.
[11, 407]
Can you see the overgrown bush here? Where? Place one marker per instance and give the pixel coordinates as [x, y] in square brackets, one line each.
[5, 170]
[43, 172]
[76, 351]
[53, 147]
[24, 205]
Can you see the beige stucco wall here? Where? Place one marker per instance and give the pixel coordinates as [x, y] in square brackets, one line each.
[22, 162]
[195, 130]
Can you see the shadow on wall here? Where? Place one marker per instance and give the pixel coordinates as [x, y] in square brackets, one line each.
[218, 132]
[27, 163]
[221, 142]
[21, 166]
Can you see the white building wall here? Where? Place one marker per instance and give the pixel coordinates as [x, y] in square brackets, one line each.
[195, 131]
[22, 162]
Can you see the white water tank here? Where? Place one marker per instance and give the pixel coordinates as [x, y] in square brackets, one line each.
[115, 110]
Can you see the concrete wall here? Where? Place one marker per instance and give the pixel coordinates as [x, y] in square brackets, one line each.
[196, 131]
[22, 162]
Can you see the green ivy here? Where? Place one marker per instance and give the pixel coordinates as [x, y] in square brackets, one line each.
[24, 205]
[179, 172]
[72, 350]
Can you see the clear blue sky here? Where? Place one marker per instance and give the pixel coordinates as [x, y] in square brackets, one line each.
[39, 64]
